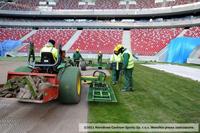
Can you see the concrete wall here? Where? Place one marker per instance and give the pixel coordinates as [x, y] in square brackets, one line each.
[62, 24]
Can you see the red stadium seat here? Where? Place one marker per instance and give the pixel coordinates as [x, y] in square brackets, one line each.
[41, 37]
[151, 41]
[12, 33]
[106, 4]
[22, 5]
[193, 32]
[98, 4]
[67, 4]
[92, 41]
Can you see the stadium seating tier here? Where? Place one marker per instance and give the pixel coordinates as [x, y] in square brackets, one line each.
[92, 41]
[41, 37]
[150, 41]
[98, 4]
[12, 33]
[193, 32]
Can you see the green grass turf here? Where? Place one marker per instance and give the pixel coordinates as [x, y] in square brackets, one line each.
[13, 58]
[21, 58]
[159, 97]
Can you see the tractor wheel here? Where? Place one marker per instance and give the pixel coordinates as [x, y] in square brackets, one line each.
[23, 69]
[70, 85]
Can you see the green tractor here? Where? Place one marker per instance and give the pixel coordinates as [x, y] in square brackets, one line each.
[65, 80]
[65, 77]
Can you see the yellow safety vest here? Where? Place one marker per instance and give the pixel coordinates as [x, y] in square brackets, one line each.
[49, 48]
[130, 61]
[117, 59]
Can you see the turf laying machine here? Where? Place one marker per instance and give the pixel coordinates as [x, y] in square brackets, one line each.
[47, 80]
[99, 90]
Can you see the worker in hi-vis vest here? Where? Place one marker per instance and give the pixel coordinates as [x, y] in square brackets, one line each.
[50, 47]
[128, 65]
[116, 64]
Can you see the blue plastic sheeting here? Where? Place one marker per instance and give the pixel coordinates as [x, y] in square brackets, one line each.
[180, 48]
[8, 45]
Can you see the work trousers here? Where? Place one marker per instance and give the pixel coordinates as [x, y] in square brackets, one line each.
[76, 62]
[128, 79]
[115, 75]
[31, 55]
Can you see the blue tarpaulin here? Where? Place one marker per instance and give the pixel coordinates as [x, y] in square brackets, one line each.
[180, 48]
[8, 45]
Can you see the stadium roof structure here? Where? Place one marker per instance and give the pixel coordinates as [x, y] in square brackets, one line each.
[107, 13]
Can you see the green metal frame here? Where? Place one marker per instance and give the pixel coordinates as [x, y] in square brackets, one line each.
[99, 90]
[101, 94]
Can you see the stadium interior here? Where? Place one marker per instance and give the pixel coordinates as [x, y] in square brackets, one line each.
[158, 90]
[145, 27]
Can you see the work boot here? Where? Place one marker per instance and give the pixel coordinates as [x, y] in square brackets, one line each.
[130, 89]
[126, 90]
